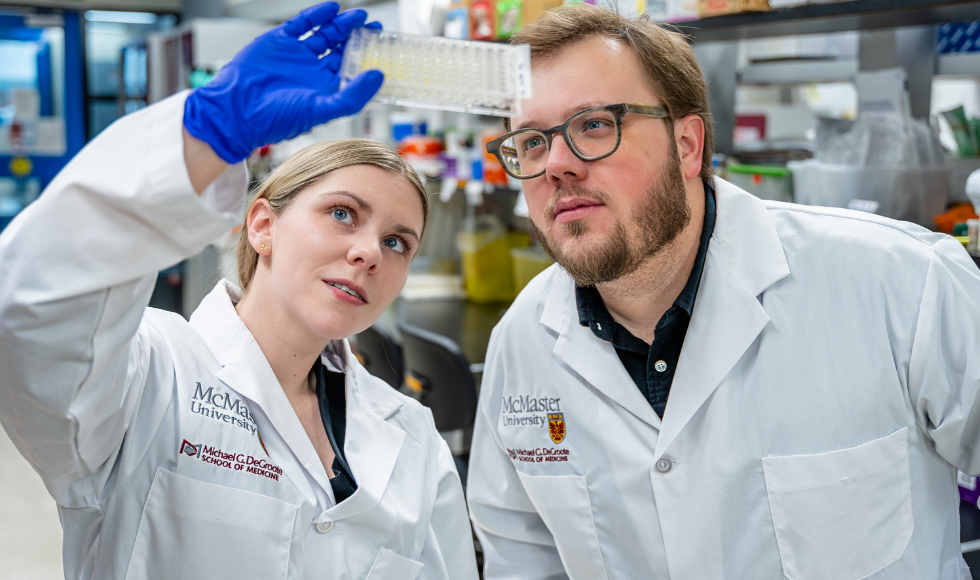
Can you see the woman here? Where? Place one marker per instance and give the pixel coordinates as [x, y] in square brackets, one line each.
[247, 442]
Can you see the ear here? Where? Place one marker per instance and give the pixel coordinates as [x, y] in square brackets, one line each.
[259, 220]
[689, 136]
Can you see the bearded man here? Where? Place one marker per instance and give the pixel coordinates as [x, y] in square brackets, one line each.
[707, 385]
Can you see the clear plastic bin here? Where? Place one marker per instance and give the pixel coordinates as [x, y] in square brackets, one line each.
[763, 181]
[910, 193]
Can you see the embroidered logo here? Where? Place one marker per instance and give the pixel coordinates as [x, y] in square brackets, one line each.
[189, 449]
[556, 426]
[234, 461]
[540, 455]
[222, 407]
[527, 411]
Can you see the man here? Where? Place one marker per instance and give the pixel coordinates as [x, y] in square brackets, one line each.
[710, 386]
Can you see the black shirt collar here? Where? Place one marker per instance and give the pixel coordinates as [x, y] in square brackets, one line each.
[593, 313]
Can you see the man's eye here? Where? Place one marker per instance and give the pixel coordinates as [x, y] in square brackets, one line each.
[532, 143]
[395, 244]
[343, 215]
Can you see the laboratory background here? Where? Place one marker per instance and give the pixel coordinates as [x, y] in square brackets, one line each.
[872, 105]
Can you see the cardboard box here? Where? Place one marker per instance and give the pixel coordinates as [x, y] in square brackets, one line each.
[535, 8]
[718, 7]
[958, 37]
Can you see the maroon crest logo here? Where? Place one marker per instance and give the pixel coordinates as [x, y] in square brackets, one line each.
[556, 426]
[189, 449]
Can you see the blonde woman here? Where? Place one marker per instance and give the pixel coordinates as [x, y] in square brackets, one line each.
[247, 442]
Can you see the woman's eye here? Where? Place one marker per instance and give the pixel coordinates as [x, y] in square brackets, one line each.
[395, 244]
[343, 215]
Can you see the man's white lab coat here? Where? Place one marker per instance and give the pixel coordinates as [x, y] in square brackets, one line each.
[169, 446]
[825, 394]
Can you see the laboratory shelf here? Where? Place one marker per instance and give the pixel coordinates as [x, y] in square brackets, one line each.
[959, 64]
[800, 71]
[793, 72]
[835, 17]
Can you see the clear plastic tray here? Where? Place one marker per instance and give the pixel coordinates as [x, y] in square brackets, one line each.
[441, 73]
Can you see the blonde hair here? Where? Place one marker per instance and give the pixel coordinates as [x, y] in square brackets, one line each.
[308, 166]
[665, 55]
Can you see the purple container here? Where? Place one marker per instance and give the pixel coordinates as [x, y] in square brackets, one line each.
[969, 488]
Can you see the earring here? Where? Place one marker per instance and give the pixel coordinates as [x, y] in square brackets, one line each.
[263, 247]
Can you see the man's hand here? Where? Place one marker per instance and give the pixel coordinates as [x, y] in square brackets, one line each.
[279, 86]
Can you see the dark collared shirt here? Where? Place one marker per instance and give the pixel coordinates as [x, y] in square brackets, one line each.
[331, 392]
[652, 366]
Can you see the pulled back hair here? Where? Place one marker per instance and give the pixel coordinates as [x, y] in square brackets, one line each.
[308, 166]
[665, 55]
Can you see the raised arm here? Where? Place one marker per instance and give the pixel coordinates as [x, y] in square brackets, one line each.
[78, 266]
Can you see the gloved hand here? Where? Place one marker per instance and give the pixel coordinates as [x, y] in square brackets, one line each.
[278, 87]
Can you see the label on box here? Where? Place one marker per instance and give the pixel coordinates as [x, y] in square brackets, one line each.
[523, 68]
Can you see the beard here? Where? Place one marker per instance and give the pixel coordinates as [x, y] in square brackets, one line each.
[657, 219]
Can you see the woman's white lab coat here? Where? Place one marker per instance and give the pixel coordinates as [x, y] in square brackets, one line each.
[825, 394]
[169, 446]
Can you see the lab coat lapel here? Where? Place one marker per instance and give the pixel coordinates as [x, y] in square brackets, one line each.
[595, 360]
[372, 443]
[745, 256]
[252, 377]
[246, 370]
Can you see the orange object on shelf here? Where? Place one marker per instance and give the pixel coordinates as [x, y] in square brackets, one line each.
[419, 145]
[492, 170]
[719, 7]
[954, 215]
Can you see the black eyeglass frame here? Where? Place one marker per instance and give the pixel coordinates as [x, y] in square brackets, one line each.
[618, 111]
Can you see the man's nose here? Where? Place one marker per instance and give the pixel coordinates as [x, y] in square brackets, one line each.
[563, 164]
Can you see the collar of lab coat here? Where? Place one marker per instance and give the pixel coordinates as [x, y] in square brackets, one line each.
[745, 256]
[372, 443]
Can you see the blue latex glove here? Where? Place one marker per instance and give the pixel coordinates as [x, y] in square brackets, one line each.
[279, 87]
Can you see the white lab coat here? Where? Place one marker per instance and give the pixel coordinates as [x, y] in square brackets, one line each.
[169, 446]
[824, 397]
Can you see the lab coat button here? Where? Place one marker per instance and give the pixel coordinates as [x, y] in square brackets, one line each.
[660, 365]
[664, 465]
[324, 527]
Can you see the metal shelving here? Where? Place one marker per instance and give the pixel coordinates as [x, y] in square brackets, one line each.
[958, 64]
[792, 72]
[836, 17]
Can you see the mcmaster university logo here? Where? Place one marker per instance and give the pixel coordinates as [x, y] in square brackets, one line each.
[189, 449]
[556, 426]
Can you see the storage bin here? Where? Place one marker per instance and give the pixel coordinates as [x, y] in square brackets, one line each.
[911, 193]
[528, 263]
[485, 258]
[763, 181]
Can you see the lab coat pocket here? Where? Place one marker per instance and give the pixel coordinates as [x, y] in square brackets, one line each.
[392, 566]
[563, 503]
[193, 529]
[842, 514]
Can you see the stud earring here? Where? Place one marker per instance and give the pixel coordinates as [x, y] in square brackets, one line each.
[263, 247]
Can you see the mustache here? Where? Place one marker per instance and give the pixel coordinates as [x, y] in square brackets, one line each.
[575, 191]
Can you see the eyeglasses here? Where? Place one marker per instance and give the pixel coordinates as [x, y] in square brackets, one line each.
[591, 134]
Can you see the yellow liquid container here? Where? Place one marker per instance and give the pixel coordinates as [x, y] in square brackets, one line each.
[528, 263]
[484, 252]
